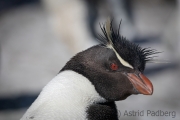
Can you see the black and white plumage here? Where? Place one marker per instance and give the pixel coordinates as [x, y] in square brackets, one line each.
[89, 84]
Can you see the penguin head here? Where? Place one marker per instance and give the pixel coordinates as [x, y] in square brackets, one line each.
[115, 67]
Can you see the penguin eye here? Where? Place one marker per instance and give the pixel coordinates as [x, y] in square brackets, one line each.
[113, 66]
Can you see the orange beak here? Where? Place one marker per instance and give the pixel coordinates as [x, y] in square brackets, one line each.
[141, 83]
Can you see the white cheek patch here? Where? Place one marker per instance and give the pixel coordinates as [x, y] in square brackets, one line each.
[119, 57]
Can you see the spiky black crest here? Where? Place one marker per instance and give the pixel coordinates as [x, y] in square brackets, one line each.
[130, 52]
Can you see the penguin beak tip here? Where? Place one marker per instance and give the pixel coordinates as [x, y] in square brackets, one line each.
[141, 83]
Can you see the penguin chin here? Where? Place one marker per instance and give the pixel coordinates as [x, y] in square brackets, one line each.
[121, 98]
[125, 96]
[134, 92]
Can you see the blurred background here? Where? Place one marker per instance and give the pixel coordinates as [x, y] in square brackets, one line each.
[37, 37]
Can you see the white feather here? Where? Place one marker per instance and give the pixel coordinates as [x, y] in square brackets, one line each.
[66, 97]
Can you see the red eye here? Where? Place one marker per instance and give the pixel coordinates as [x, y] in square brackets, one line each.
[114, 66]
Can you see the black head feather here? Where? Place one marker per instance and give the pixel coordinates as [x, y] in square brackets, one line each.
[130, 52]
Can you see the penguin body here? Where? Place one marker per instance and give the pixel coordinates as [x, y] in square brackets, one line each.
[87, 87]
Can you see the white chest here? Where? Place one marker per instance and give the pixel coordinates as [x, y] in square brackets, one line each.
[66, 97]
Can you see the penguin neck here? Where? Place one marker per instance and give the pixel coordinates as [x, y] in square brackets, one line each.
[82, 93]
[79, 91]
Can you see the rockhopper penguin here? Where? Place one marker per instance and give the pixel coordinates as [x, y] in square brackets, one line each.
[87, 87]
